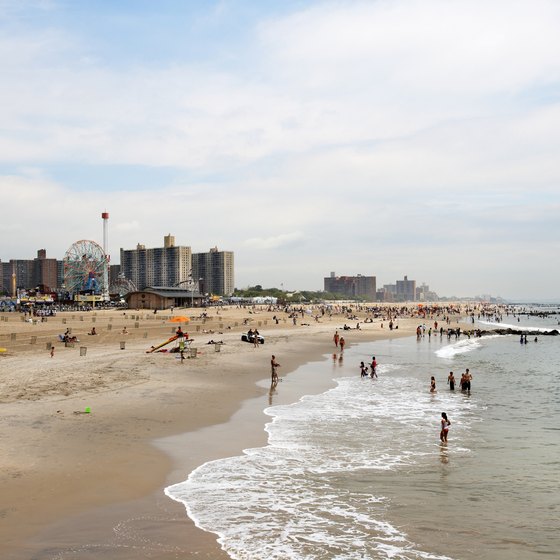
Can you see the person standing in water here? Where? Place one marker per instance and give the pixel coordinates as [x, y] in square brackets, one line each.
[363, 369]
[451, 381]
[341, 343]
[433, 385]
[274, 365]
[445, 423]
[373, 366]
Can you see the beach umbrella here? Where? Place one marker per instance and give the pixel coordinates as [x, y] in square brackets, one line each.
[179, 319]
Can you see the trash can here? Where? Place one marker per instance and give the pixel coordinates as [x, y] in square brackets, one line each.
[193, 352]
[48, 345]
[83, 350]
[217, 347]
[33, 340]
[123, 343]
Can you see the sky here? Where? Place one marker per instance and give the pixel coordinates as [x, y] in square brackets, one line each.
[383, 137]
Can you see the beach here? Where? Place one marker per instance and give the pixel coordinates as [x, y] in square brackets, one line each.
[71, 477]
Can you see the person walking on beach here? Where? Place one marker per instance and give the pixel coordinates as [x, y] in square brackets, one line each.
[336, 338]
[445, 423]
[256, 339]
[433, 385]
[342, 342]
[274, 365]
[52, 351]
[451, 381]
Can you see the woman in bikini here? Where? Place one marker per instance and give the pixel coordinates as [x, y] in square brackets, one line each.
[445, 423]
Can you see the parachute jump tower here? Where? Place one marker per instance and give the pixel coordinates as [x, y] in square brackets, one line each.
[105, 218]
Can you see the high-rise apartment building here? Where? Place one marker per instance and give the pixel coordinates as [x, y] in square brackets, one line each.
[406, 290]
[213, 271]
[45, 272]
[18, 273]
[352, 286]
[163, 266]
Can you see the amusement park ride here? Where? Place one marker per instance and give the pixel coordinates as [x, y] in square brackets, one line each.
[86, 271]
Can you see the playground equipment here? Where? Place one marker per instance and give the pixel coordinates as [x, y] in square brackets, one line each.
[84, 266]
[187, 341]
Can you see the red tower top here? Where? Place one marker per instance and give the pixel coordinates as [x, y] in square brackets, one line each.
[105, 215]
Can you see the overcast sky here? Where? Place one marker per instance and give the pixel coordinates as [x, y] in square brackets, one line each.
[390, 137]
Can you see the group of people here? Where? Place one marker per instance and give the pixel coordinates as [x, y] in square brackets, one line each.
[464, 383]
[339, 341]
[372, 368]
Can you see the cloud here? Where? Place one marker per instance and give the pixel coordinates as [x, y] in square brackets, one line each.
[282, 240]
[385, 138]
[127, 226]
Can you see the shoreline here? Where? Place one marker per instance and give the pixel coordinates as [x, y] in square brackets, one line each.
[72, 511]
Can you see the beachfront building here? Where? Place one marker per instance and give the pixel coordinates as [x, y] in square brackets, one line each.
[405, 290]
[45, 272]
[165, 266]
[17, 274]
[161, 297]
[423, 293]
[30, 274]
[213, 272]
[351, 286]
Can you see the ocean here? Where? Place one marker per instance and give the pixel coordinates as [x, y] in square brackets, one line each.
[359, 472]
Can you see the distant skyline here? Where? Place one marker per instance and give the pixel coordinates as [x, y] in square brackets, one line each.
[386, 138]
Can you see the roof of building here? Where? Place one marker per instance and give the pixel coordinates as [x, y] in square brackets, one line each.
[171, 291]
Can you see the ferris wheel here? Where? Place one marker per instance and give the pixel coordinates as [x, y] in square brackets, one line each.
[84, 266]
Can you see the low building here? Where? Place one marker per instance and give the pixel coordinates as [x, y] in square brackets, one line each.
[163, 297]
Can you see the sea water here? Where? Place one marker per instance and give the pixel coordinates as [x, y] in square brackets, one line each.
[358, 472]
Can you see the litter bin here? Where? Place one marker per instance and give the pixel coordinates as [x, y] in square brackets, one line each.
[33, 340]
[83, 350]
[193, 352]
[123, 343]
[217, 347]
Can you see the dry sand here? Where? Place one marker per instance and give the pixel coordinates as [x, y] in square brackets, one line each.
[89, 485]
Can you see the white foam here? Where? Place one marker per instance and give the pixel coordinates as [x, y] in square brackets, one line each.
[517, 327]
[461, 347]
[288, 500]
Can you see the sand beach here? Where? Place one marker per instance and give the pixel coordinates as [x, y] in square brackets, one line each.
[74, 481]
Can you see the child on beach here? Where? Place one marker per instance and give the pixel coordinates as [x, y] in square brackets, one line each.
[363, 369]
